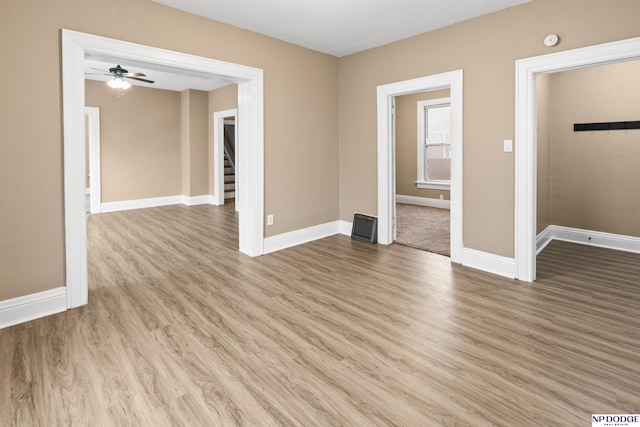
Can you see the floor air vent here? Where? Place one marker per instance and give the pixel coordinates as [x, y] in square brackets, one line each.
[365, 228]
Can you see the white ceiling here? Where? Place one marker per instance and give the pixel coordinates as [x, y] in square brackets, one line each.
[336, 27]
[340, 27]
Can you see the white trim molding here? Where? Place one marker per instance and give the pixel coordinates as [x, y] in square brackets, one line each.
[424, 201]
[75, 47]
[304, 235]
[434, 185]
[386, 152]
[75, 218]
[95, 173]
[198, 200]
[543, 239]
[153, 202]
[250, 174]
[526, 143]
[600, 239]
[496, 264]
[33, 306]
[214, 200]
[345, 227]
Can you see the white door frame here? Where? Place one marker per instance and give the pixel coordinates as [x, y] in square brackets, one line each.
[95, 183]
[75, 47]
[526, 138]
[386, 153]
[218, 153]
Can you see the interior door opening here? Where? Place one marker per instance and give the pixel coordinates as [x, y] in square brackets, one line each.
[76, 47]
[227, 149]
[526, 135]
[451, 81]
[422, 140]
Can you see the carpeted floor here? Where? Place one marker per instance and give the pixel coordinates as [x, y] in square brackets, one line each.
[423, 227]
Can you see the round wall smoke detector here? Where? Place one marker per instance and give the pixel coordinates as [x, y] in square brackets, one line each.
[551, 40]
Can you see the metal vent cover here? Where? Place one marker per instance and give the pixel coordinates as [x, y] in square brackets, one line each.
[365, 228]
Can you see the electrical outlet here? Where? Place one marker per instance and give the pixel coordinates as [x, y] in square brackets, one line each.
[269, 219]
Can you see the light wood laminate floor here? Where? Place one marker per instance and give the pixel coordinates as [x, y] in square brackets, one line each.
[183, 330]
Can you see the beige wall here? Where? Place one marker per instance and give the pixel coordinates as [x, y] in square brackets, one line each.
[139, 141]
[194, 106]
[406, 145]
[301, 132]
[185, 165]
[486, 48]
[543, 115]
[225, 98]
[301, 145]
[311, 153]
[595, 177]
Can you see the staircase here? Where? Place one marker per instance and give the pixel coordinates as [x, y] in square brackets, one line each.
[229, 162]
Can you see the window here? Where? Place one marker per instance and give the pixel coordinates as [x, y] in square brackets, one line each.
[434, 144]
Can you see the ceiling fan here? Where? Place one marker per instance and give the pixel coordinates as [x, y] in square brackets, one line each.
[119, 74]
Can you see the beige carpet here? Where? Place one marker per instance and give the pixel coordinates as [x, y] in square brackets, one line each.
[422, 227]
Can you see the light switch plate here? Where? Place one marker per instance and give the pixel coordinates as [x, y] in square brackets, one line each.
[508, 145]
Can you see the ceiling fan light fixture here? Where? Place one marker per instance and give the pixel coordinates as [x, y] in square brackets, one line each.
[118, 83]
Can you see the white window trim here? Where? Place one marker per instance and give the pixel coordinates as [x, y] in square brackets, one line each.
[434, 185]
[420, 182]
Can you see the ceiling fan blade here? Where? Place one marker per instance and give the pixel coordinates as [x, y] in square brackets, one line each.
[139, 79]
[134, 75]
[98, 69]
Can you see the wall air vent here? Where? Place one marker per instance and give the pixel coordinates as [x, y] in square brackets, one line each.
[365, 228]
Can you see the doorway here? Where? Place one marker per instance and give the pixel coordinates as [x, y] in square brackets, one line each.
[423, 171]
[222, 122]
[526, 135]
[386, 153]
[75, 48]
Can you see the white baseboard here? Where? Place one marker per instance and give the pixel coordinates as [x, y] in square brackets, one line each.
[345, 227]
[153, 202]
[298, 237]
[543, 239]
[424, 201]
[198, 200]
[490, 263]
[600, 239]
[34, 306]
